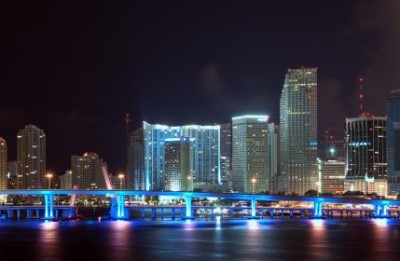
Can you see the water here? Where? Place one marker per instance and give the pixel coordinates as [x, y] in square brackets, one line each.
[201, 240]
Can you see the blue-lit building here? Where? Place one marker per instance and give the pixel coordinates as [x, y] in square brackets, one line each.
[298, 131]
[393, 141]
[205, 150]
[365, 163]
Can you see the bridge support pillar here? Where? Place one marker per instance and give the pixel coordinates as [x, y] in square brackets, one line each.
[381, 211]
[48, 206]
[188, 211]
[253, 209]
[173, 213]
[72, 212]
[317, 210]
[118, 210]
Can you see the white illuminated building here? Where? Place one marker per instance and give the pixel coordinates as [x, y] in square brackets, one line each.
[251, 153]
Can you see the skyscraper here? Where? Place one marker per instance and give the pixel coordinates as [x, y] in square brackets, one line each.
[31, 157]
[87, 172]
[365, 164]
[135, 169]
[298, 131]
[3, 164]
[273, 155]
[205, 147]
[226, 152]
[393, 141]
[250, 153]
[178, 164]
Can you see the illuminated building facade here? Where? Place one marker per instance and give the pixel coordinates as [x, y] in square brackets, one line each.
[135, 168]
[205, 153]
[31, 157]
[393, 141]
[273, 155]
[250, 154]
[87, 172]
[331, 176]
[3, 164]
[226, 153]
[366, 165]
[178, 164]
[298, 131]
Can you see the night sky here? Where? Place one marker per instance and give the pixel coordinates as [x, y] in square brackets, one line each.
[74, 69]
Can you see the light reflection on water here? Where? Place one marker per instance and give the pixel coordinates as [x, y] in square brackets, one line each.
[48, 245]
[120, 240]
[319, 244]
[253, 224]
[381, 222]
[218, 239]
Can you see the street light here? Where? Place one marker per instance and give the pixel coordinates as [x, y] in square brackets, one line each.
[121, 178]
[253, 182]
[49, 176]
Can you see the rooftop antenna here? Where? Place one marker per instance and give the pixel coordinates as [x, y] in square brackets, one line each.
[361, 95]
[127, 121]
[127, 129]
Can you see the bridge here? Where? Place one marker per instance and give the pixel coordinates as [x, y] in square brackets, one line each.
[120, 211]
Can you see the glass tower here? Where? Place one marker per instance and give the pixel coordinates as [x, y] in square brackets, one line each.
[365, 167]
[135, 168]
[205, 153]
[298, 131]
[393, 141]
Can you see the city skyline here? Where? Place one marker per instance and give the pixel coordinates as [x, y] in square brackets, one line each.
[76, 72]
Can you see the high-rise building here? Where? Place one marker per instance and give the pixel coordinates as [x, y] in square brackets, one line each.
[87, 172]
[226, 153]
[273, 154]
[250, 154]
[330, 176]
[205, 147]
[393, 141]
[366, 166]
[31, 157]
[298, 131]
[3, 164]
[178, 164]
[135, 169]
